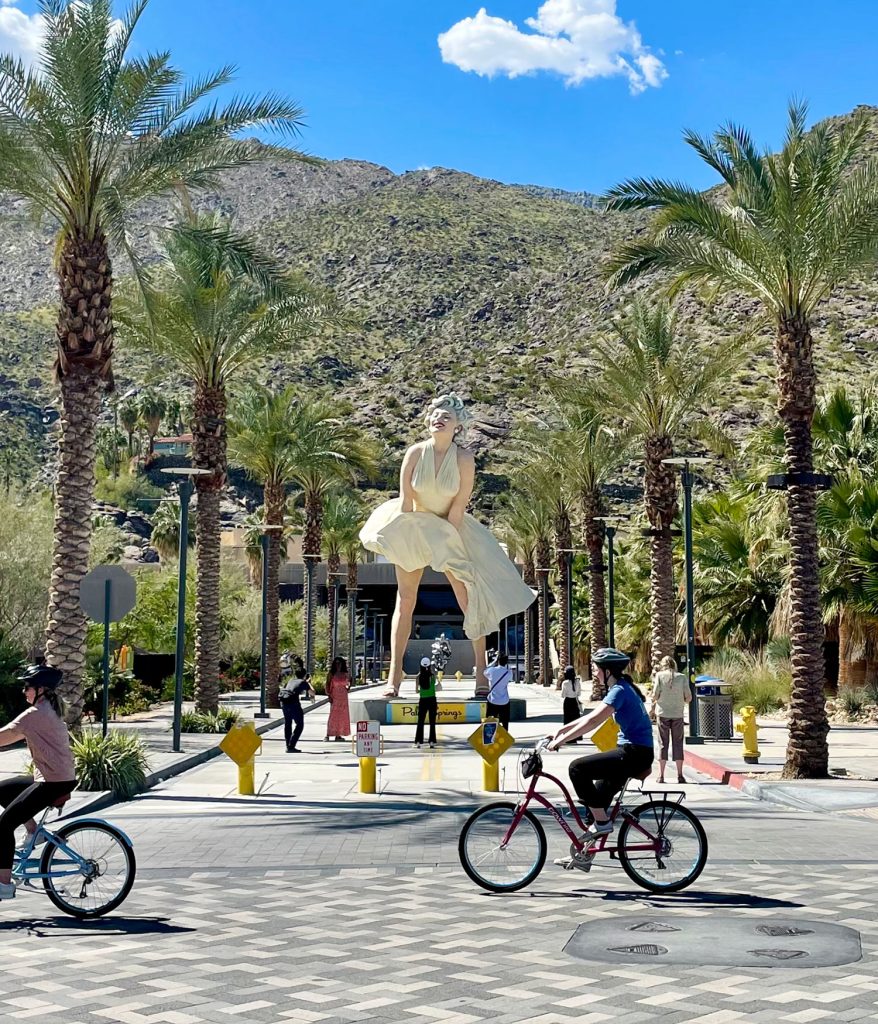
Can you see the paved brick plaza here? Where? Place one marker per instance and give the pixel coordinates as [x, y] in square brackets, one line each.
[314, 903]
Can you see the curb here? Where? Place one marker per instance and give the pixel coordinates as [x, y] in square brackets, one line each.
[104, 800]
[734, 779]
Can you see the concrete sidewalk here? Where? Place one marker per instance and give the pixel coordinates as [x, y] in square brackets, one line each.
[853, 765]
[154, 727]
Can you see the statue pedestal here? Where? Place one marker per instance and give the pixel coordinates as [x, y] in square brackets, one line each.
[450, 710]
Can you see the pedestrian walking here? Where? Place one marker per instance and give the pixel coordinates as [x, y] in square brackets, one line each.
[338, 683]
[570, 692]
[427, 703]
[670, 695]
[499, 676]
[295, 687]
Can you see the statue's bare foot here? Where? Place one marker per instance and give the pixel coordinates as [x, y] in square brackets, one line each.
[391, 691]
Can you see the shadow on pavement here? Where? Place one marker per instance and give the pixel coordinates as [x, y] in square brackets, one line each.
[104, 926]
[692, 897]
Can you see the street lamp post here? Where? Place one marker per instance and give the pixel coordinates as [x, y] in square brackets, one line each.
[685, 462]
[543, 612]
[568, 554]
[336, 578]
[352, 626]
[185, 487]
[264, 540]
[611, 525]
[365, 601]
[381, 617]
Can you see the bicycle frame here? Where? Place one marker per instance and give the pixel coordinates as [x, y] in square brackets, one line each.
[601, 844]
[21, 870]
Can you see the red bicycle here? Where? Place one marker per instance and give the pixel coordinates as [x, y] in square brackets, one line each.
[660, 844]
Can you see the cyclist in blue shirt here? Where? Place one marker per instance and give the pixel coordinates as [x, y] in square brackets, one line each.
[597, 778]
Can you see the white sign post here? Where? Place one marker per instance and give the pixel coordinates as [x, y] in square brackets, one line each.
[368, 739]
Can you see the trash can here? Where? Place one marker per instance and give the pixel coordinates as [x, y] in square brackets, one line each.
[715, 716]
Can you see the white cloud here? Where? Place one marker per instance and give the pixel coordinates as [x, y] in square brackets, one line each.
[20, 33]
[578, 39]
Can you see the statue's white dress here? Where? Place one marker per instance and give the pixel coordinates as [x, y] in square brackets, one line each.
[415, 540]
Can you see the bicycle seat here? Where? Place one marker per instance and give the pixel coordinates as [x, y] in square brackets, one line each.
[60, 801]
[643, 776]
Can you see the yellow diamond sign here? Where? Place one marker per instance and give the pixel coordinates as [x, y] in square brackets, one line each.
[491, 740]
[241, 742]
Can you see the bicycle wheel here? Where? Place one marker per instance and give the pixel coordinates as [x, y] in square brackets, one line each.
[502, 868]
[104, 878]
[683, 852]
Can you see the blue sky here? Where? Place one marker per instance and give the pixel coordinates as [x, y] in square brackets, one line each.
[373, 81]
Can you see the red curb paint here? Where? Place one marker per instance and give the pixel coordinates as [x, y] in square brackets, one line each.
[714, 770]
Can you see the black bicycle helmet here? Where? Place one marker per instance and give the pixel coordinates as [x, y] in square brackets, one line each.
[610, 658]
[41, 677]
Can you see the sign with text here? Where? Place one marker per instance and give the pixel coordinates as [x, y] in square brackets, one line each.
[447, 712]
[368, 739]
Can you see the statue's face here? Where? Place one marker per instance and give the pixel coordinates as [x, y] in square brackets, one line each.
[443, 422]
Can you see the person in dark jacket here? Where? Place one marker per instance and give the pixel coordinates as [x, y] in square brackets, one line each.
[295, 686]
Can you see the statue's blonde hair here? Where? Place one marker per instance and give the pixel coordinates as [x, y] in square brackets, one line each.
[453, 403]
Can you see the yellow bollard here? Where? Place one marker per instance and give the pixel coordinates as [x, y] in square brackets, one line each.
[439, 675]
[747, 727]
[367, 774]
[247, 777]
[491, 777]
[240, 743]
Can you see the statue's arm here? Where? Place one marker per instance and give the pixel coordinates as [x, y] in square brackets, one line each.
[406, 491]
[467, 466]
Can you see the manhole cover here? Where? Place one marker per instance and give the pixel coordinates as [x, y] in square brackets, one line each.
[692, 941]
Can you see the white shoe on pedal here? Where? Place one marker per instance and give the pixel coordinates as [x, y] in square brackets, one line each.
[595, 831]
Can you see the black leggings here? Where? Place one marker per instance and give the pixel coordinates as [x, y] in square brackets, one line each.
[597, 778]
[427, 708]
[24, 799]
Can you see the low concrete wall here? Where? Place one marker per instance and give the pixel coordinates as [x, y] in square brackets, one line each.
[450, 711]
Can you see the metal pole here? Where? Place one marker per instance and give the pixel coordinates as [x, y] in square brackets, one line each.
[263, 658]
[309, 613]
[108, 590]
[611, 533]
[336, 593]
[568, 555]
[352, 630]
[693, 736]
[365, 631]
[185, 491]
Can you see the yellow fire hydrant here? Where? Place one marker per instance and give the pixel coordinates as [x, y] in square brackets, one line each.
[747, 728]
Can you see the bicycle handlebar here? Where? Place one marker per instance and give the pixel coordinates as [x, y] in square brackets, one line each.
[542, 745]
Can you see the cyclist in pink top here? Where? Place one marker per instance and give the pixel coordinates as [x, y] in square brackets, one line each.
[23, 796]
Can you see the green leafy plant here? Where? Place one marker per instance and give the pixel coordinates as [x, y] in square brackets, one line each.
[205, 721]
[853, 702]
[117, 762]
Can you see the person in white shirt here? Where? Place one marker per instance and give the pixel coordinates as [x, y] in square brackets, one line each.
[570, 691]
[499, 678]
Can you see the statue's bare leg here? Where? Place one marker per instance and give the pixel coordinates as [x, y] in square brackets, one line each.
[479, 644]
[407, 584]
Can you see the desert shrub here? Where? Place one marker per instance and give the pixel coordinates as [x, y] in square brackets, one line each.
[169, 686]
[201, 721]
[117, 762]
[127, 695]
[12, 701]
[25, 568]
[244, 636]
[757, 680]
[125, 490]
[853, 702]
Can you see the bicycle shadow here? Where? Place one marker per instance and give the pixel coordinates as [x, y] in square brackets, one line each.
[689, 898]
[43, 926]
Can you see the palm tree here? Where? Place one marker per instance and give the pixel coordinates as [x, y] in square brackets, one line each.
[152, 410]
[264, 430]
[165, 536]
[86, 136]
[332, 450]
[659, 381]
[785, 229]
[129, 417]
[517, 523]
[342, 519]
[221, 306]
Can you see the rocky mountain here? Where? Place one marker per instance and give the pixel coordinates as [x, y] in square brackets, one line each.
[456, 282]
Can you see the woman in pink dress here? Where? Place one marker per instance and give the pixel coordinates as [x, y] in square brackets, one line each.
[338, 682]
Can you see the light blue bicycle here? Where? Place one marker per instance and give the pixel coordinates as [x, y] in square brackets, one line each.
[86, 866]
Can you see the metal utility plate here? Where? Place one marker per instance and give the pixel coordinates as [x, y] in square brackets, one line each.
[716, 941]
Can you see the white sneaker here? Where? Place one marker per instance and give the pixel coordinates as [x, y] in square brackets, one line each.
[7, 890]
[596, 830]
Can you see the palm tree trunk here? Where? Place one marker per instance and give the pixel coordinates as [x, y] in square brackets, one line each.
[274, 516]
[592, 505]
[845, 666]
[563, 544]
[84, 334]
[529, 576]
[543, 557]
[311, 543]
[208, 452]
[333, 561]
[660, 493]
[807, 755]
